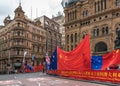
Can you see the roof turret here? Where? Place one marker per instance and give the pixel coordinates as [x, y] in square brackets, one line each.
[19, 8]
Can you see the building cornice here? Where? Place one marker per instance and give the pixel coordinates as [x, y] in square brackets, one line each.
[92, 16]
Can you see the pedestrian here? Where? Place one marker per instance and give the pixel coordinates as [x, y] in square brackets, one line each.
[43, 69]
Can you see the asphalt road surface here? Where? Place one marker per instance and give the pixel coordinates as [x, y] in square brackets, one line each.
[40, 79]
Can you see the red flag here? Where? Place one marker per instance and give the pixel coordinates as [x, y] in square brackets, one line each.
[77, 59]
[111, 59]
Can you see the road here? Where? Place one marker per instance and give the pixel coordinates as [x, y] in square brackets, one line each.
[40, 79]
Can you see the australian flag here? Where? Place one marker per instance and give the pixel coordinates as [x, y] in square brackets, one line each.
[96, 62]
[53, 60]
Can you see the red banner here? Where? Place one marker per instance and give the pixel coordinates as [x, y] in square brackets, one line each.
[101, 75]
[77, 59]
[36, 69]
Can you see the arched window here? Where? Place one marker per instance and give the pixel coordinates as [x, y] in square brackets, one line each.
[104, 4]
[100, 47]
[97, 32]
[101, 4]
[83, 36]
[98, 5]
[117, 2]
[71, 47]
[95, 7]
[71, 37]
[75, 37]
[68, 16]
[68, 39]
[72, 15]
[103, 30]
[106, 30]
[75, 14]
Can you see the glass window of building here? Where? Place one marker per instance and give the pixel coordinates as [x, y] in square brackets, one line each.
[71, 37]
[117, 2]
[67, 38]
[95, 6]
[75, 37]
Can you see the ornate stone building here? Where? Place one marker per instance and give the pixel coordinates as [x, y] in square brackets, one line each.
[60, 19]
[99, 18]
[53, 34]
[18, 36]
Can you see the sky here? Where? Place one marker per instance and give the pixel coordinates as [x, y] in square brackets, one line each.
[32, 8]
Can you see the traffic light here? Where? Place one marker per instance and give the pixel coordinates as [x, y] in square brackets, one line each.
[117, 40]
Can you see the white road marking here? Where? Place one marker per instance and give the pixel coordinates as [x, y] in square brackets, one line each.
[20, 82]
[35, 79]
[38, 83]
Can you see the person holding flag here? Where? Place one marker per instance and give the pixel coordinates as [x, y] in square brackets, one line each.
[47, 62]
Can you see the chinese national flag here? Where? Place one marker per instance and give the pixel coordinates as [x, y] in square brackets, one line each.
[111, 59]
[77, 59]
